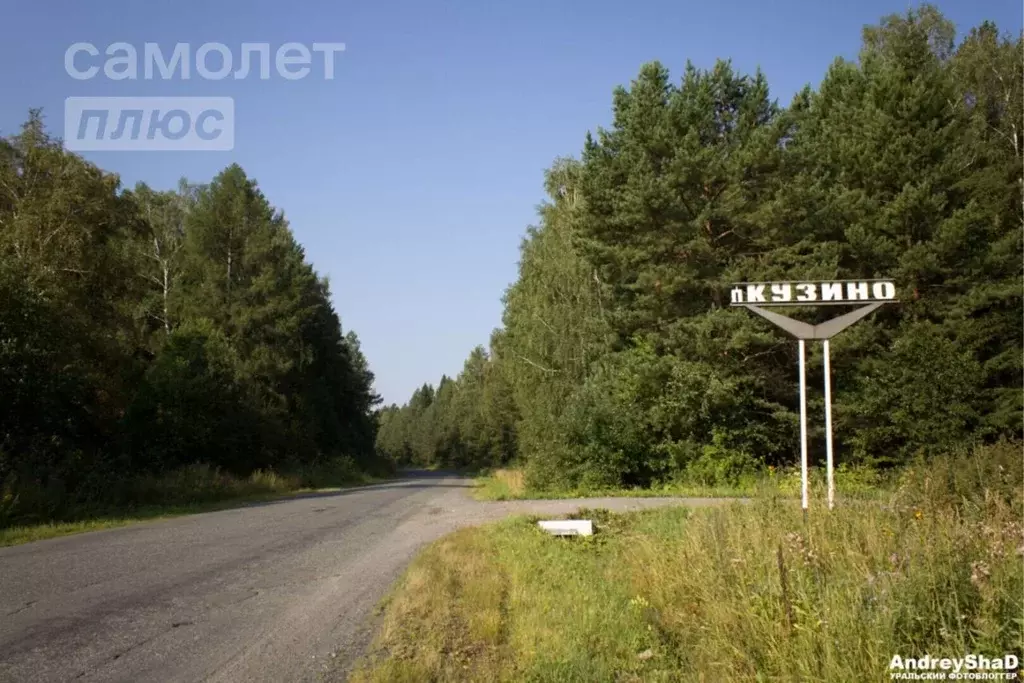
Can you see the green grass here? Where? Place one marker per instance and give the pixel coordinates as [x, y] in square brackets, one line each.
[493, 487]
[737, 593]
[187, 491]
[511, 484]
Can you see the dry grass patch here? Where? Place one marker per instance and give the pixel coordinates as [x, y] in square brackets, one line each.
[445, 620]
[501, 484]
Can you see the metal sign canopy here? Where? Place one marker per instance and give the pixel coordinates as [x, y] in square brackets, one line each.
[870, 294]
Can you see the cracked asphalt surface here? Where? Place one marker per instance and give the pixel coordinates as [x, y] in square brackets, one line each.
[277, 591]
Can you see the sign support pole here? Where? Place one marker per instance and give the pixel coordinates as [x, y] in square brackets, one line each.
[803, 429]
[828, 426]
[823, 331]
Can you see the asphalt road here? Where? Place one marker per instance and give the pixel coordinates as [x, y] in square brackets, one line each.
[276, 592]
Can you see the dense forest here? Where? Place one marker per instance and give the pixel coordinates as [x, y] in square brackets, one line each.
[143, 331]
[619, 360]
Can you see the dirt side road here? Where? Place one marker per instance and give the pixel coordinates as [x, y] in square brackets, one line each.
[281, 591]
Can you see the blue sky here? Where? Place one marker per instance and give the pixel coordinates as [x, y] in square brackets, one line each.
[411, 176]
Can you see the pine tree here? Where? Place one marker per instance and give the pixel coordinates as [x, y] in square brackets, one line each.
[901, 184]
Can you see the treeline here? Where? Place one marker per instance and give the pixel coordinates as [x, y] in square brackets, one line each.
[143, 331]
[619, 361]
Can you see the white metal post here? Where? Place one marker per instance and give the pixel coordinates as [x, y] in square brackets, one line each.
[828, 426]
[803, 428]
[803, 331]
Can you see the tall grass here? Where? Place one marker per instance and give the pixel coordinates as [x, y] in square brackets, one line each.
[742, 593]
[501, 484]
[853, 482]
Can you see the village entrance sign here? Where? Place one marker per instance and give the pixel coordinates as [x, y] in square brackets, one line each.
[868, 294]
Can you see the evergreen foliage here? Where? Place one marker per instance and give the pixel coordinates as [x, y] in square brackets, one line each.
[145, 331]
[619, 361]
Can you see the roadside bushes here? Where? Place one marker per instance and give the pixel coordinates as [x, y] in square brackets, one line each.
[194, 484]
[642, 418]
[721, 465]
[967, 481]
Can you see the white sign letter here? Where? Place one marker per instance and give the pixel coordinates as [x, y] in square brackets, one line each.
[283, 59]
[831, 291]
[247, 50]
[328, 49]
[153, 56]
[783, 292]
[69, 61]
[883, 290]
[856, 291]
[225, 67]
[807, 292]
[130, 61]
